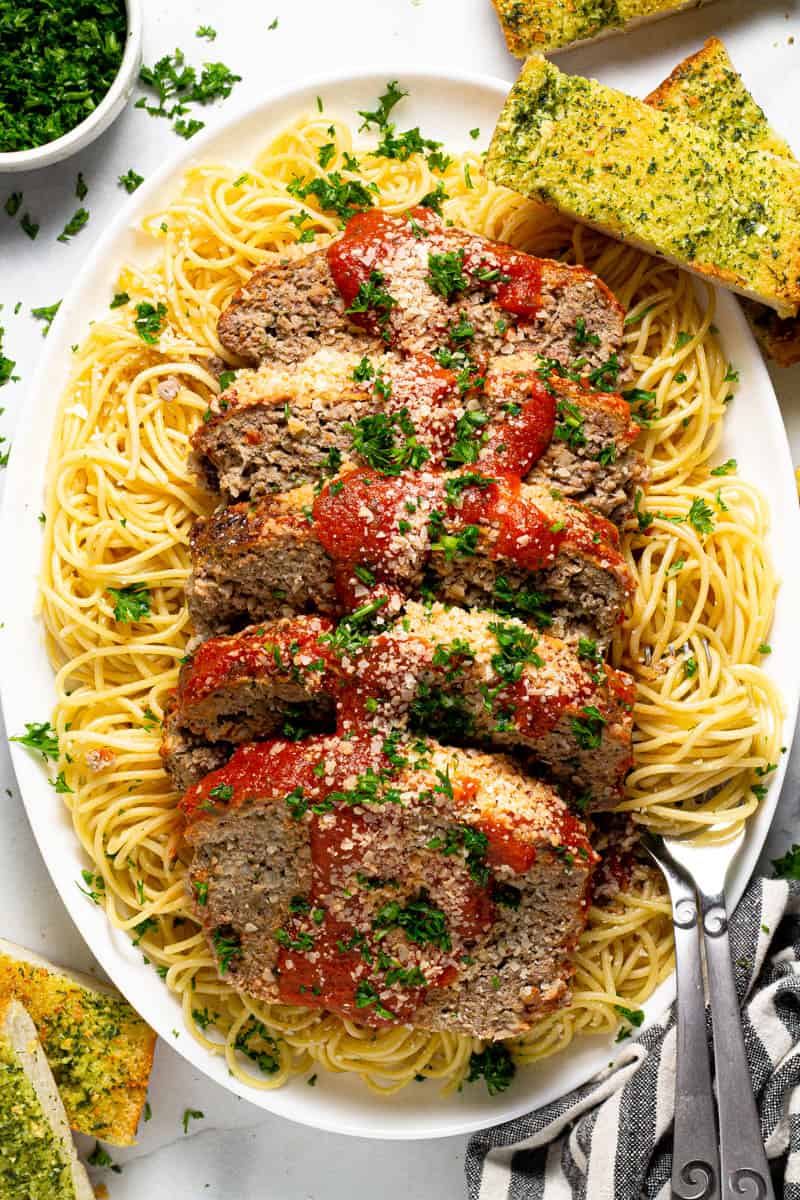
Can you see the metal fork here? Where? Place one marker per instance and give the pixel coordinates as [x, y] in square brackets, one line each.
[696, 877]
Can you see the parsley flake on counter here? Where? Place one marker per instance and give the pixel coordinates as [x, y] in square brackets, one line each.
[177, 85]
[41, 736]
[29, 226]
[101, 1158]
[191, 1114]
[272, 25]
[47, 314]
[475, 134]
[81, 187]
[12, 204]
[205, 31]
[131, 180]
[74, 225]
[150, 321]
[6, 364]
[131, 603]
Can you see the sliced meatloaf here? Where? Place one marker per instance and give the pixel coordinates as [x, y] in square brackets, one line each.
[468, 538]
[437, 887]
[414, 283]
[463, 677]
[277, 428]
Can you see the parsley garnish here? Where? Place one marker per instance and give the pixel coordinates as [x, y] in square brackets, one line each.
[345, 197]
[516, 649]
[205, 31]
[120, 298]
[725, 468]
[388, 442]
[701, 516]
[265, 1053]
[131, 603]
[446, 273]
[81, 187]
[494, 1065]
[227, 945]
[569, 427]
[372, 297]
[421, 922]
[588, 729]
[150, 321]
[435, 199]
[39, 736]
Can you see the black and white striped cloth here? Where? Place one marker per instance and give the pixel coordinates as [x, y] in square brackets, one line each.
[611, 1138]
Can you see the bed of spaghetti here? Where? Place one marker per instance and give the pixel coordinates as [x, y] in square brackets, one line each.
[120, 505]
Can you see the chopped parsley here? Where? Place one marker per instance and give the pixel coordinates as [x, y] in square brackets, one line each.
[371, 297]
[446, 273]
[131, 602]
[149, 321]
[435, 199]
[255, 1042]
[191, 1114]
[725, 468]
[227, 945]
[81, 187]
[470, 437]
[367, 997]
[388, 442]
[569, 427]
[177, 85]
[345, 197]
[101, 1158]
[494, 1065]
[120, 299]
[421, 922]
[59, 60]
[74, 225]
[701, 516]
[47, 314]
[524, 601]
[205, 31]
[131, 180]
[588, 728]
[39, 736]
[473, 844]
[515, 651]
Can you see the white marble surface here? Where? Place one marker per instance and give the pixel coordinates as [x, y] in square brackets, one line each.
[235, 1151]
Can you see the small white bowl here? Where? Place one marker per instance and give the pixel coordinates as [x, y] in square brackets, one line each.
[107, 110]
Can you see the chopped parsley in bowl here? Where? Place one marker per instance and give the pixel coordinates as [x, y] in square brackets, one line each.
[67, 68]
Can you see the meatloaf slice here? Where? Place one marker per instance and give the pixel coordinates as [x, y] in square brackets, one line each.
[445, 889]
[411, 281]
[463, 677]
[471, 539]
[287, 310]
[277, 428]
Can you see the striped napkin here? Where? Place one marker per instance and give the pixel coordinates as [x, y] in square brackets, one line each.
[611, 1138]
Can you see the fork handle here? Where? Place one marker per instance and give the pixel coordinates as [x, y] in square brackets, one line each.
[695, 1156]
[744, 1168]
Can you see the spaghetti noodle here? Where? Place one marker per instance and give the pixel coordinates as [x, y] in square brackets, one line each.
[120, 505]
